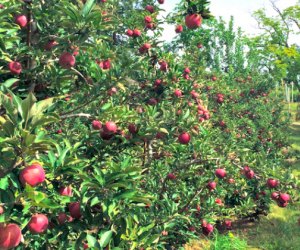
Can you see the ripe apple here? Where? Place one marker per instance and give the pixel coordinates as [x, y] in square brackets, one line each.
[144, 48]
[211, 185]
[184, 138]
[66, 191]
[208, 229]
[62, 218]
[74, 209]
[282, 204]
[160, 1]
[66, 60]
[218, 201]
[59, 131]
[177, 93]
[38, 223]
[51, 44]
[214, 78]
[129, 32]
[147, 19]
[187, 70]
[133, 128]
[1, 6]
[231, 181]
[15, 68]
[272, 183]
[105, 64]
[152, 101]
[149, 8]
[1, 210]
[283, 197]
[179, 29]
[193, 21]
[171, 176]
[220, 173]
[97, 125]
[275, 196]
[163, 66]
[21, 20]
[33, 175]
[249, 174]
[136, 33]
[110, 127]
[228, 224]
[10, 236]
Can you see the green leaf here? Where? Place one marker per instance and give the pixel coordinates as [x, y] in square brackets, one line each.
[27, 107]
[8, 83]
[88, 7]
[92, 241]
[4, 183]
[105, 106]
[105, 238]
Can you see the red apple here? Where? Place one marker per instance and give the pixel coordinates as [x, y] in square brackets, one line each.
[178, 93]
[218, 201]
[15, 68]
[66, 191]
[211, 185]
[275, 196]
[97, 125]
[21, 20]
[231, 181]
[136, 33]
[228, 224]
[220, 173]
[284, 197]
[184, 138]
[249, 174]
[133, 128]
[272, 183]
[129, 32]
[38, 224]
[163, 66]
[74, 209]
[187, 70]
[50, 45]
[33, 175]
[147, 19]
[193, 21]
[110, 127]
[1, 210]
[105, 64]
[171, 176]
[214, 78]
[149, 8]
[178, 29]
[160, 1]
[66, 60]
[144, 48]
[10, 236]
[62, 218]
[208, 229]
[282, 204]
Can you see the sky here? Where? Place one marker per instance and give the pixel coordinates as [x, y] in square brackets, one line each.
[241, 10]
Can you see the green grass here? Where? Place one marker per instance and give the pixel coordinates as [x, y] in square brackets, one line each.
[279, 230]
[228, 242]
